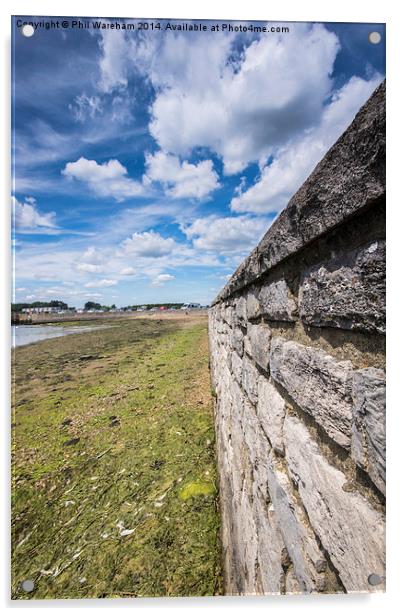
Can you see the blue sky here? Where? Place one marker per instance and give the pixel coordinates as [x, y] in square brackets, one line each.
[146, 166]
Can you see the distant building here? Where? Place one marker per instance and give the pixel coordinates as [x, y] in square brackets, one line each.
[42, 310]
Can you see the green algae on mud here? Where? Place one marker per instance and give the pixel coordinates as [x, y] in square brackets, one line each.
[108, 427]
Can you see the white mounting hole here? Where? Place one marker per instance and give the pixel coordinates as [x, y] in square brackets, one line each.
[374, 579]
[28, 585]
[28, 30]
[375, 38]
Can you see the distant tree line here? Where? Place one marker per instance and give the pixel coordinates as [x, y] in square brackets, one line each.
[54, 303]
[96, 306]
[149, 306]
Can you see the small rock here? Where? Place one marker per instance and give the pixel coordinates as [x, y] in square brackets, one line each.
[72, 441]
[67, 422]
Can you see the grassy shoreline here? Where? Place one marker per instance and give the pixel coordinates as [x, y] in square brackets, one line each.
[114, 478]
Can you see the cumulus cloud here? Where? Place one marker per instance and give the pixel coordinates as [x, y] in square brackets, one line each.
[91, 268]
[226, 235]
[282, 177]
[27, 216]
[160, 280]
[109, 179]
[128, 271]
[181, 179]
[91, 261]
[105, 282]
[148, 244]
[243, 105]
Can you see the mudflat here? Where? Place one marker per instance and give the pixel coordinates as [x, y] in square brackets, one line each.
[114, 479]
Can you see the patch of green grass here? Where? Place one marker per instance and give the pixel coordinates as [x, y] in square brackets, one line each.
[194, 489]
[114, 478]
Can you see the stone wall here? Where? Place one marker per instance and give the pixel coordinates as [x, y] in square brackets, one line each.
[297, 362]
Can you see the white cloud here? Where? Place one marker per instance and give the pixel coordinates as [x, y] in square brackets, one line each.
[91, 261]
[91, 268]
[226, 235]
[128, 271]
[160, 280]
[243, 108]
[27, 216]
[93, 255]
[181, 179]
[293, 163]
[114, 61]
[85, 107]
[105, 282]
[93, 295]
[148, 244]
[109, 179]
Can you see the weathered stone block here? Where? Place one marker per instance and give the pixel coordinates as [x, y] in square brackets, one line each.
[229, 315]
[253, 304]
[309, 562]
[277, 302]
[247, 345]
[368, 434]
[347, 291]
[292, 586]
[271, 412]
[241, 309]
[250, 379]
[350, 529]
[251, 431]
[259, 337]
[236, 340]
[318, 383]
[270, 572]
[237, 366]
[258, 449]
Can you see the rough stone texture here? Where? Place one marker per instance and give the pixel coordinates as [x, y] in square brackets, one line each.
[229, 315]
[347, 291]
[236, 340]
[253, 307]
[292, 586]
[271, 412]
[350, 529]
[301, 438]
[241, 309]
[250, 380]
[277, 303]
[237, 366]
[309, 563]
[320, 385]
[368, 434]
[259, 340]
[270, 575]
